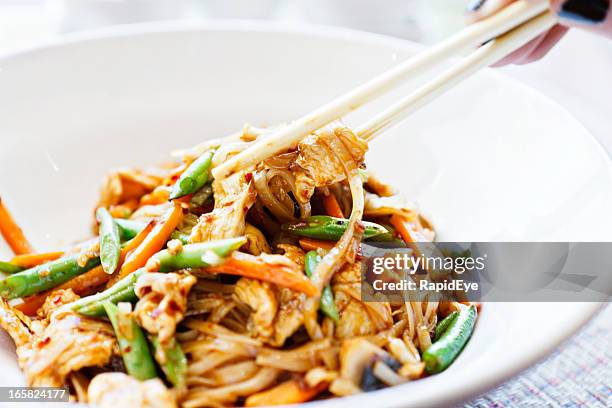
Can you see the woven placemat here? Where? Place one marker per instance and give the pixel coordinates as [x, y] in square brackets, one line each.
[577, 374]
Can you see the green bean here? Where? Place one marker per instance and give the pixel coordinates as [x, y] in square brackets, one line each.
[7, 267]
[330, 228]
[191, 255]
[128, 229]
[194, 177]
[443, 352]
[327, 304]
[174, 364]
[444, 324]
[132, 343]
[45, 276]
[122, 291]
[110, 241]
[200, 198]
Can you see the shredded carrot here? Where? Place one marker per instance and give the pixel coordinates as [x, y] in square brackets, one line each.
[160, 195]
[310, 244]
[12, 233]
[288, 392]
[400, 226]
[153, 242]
[252, 267]
[332, 207]
[123, 210]
[31, 260]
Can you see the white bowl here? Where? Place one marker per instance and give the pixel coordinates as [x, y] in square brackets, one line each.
[492, 160]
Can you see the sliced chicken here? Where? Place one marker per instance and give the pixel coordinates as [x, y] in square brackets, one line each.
[119, 390]
[163, 302]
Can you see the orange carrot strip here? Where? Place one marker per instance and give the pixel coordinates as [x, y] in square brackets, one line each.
[31, 260]
[153, 242]
[332, 208]
[400, 226]
[289, 392]
[310, 244]
[12, 233]
[254, 268]
[158, 196]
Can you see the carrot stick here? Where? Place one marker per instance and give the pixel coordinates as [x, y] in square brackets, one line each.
[310, 244]
[332, 207]
[31, 260]
[153, 242]
[289, 392]
[84, 284]
[252, 267]
[158, 196]
[12, 233]
[400, 226]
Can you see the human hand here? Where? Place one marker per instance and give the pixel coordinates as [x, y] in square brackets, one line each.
[593, 15]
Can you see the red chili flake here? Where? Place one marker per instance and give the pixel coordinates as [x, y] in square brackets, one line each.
[57, 299]
[127, 349]
[248, 177]
[43, 342]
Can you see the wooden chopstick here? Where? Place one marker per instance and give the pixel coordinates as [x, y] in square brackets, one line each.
[484, 56]
[473, 36]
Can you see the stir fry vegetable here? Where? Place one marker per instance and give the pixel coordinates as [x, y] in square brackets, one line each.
[327, 304]
[110, 240]
[12, 233]
[45, 276]
[443, 352]
[132, 342]
[194, 177]
[174, 365]
[7, 267]
[330, 228]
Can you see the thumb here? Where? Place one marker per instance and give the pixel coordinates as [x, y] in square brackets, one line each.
[593, 15]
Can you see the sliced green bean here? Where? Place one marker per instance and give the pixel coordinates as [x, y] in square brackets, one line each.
[174, 365]
[194, 177]
[443, 352]
[132, 343]
[191, 255]
[330, 228]
[122, 291]
[44, 277]
[7, 267]
[110, 240]
[128, 229]
[444, 324]
[327, 304]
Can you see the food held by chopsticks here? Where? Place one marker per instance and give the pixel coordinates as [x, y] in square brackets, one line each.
[239, 291]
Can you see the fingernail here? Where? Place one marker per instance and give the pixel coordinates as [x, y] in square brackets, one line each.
[585, 11]
[475, 5]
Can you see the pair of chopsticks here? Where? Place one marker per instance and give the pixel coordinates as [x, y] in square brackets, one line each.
[495, 37]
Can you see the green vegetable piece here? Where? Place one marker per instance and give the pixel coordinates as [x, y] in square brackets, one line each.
[327, 304]
[128, 229]
[174, 365]
[132, 343]
[330, 228]
[122, 291]
[191, 255]
[443, 352]
[110, 240]
[444, 324]
[44, 277]
[194, 177]
[7, 267]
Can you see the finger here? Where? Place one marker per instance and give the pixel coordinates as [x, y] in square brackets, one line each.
[521, 53]
[550, 40]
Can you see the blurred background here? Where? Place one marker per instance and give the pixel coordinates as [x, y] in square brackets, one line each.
[576, 73]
